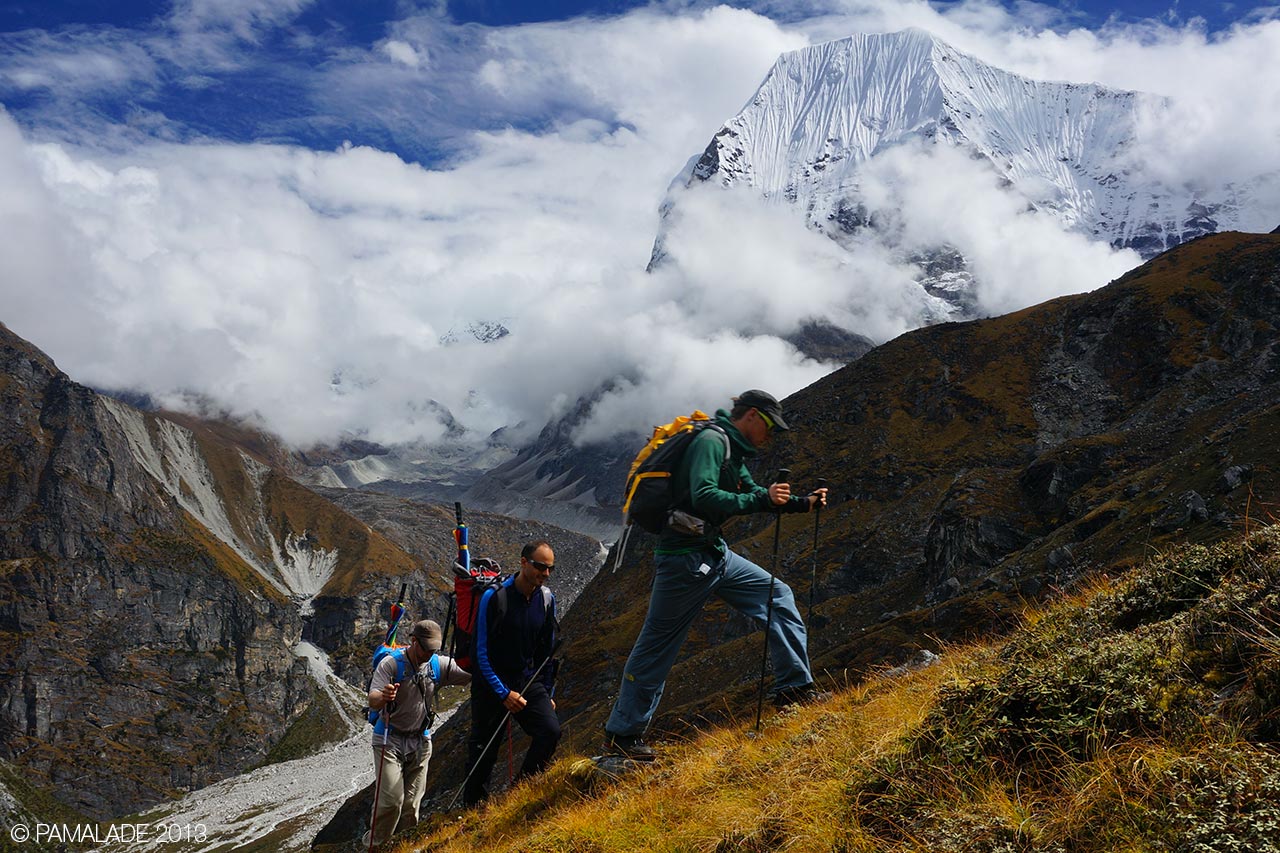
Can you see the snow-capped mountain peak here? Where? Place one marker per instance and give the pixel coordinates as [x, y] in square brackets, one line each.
[824, 111]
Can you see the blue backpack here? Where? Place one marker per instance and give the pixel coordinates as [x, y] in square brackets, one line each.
[376, 718]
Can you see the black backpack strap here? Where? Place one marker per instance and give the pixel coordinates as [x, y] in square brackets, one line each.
[724, 437]
[500, 601]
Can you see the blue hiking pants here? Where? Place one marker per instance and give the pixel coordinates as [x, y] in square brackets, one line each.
[681, 586]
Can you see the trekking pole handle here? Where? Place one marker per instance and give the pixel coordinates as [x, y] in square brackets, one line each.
[822, 484]
[457, 511]
[784, 476]
[404, 586]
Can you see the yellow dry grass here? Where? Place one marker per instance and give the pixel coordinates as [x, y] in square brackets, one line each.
[725, 789]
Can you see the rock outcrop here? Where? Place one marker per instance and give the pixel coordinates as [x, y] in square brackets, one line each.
[157, 573]
[143, 656]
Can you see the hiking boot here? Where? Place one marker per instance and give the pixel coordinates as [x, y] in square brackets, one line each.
[805, 694]
[629, 747]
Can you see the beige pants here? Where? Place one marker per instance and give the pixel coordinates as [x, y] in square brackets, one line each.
[400, 789]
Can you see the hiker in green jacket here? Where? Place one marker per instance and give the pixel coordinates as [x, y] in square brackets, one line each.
[692, 563]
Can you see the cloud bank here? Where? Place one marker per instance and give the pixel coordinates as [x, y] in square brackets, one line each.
[316, 288]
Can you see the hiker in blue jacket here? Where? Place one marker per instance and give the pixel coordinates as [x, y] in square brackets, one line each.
[514, 635]
[692, 563]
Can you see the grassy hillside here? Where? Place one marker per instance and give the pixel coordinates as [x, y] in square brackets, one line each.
[1138, 713]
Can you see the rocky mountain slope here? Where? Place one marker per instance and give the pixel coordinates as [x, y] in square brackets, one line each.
[157, 574]
[129, 623]
[557, 480]
[976, 465]
[438, 473]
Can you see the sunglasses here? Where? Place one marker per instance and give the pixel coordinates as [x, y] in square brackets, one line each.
[538, 564]
[768, 421]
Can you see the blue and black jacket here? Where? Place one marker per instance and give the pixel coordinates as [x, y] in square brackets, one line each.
[513, 637]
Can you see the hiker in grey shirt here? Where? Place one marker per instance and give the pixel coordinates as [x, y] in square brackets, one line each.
[403, 686]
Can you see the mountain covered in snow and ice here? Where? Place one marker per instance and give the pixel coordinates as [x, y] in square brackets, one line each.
[1073, 150]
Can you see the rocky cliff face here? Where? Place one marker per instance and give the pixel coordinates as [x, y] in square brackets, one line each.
[131, 633]
[154, 580]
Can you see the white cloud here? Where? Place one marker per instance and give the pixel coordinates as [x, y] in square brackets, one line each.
[744, 265]
[244, 19]
[72, 66]
[710, 371]
[945, 197]
[313, 288]
[45, 268]
[404, 53]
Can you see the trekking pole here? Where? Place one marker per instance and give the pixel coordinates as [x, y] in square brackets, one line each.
[813, 574]
[498, 730]
[784, 474]
[397, 611]
[511, 754]
[377, 785]
[620, 549]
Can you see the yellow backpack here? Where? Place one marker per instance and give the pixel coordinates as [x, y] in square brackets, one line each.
[648, 496]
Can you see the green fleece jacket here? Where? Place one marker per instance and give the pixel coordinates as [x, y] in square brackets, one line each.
[715, 489]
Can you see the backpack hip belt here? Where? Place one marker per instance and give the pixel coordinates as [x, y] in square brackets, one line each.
[410, 733]
[691, 525]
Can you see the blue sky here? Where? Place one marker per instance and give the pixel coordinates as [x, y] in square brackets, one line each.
[287, 206]
[1090, 14]
[255, 69]
[43, 14]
